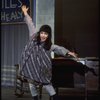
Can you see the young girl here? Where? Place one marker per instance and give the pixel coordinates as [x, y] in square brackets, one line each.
[36, 65]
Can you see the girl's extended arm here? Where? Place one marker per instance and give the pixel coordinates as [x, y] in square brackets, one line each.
[29, 22]
[62, 51]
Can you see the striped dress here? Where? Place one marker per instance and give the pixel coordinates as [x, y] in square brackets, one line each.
[35, 63]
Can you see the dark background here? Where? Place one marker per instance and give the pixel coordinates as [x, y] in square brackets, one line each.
[77, 26]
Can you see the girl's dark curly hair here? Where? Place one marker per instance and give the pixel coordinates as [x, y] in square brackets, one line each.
[48, 43]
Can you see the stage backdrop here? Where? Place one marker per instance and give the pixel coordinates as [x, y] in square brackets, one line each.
[14, 36]
[77, 25]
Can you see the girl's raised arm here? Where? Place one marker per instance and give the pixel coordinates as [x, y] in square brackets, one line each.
[29, 22]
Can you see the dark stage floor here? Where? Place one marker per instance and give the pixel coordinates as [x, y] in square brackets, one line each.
[7, 93]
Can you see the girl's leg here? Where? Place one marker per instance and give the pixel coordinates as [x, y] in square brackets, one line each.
[50, 89]
[33, 91]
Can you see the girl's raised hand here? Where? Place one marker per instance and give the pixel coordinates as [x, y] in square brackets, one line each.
[24, 9]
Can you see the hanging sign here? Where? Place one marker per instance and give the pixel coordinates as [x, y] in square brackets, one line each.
[11, 10]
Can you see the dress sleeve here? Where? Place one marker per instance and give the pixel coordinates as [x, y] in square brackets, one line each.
[59, 50]
[31, 26]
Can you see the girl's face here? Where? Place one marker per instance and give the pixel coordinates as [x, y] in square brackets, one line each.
[43, 36]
